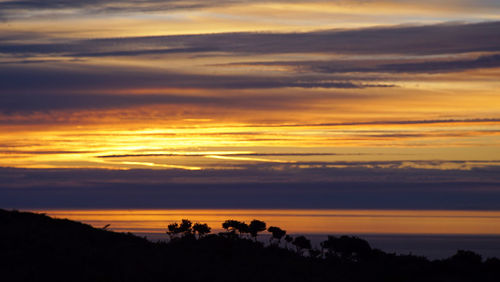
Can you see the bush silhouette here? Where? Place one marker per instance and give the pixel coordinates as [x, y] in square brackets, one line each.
[346, 247]
[301, 243]
[201, 229]
[255, 227]
[277, 233]
[233, 226]
[288, 240]
[172, 230]
[184, 228]
[315, 253]
[466, 257]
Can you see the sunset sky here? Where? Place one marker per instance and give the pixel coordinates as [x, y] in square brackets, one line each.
[152, 104]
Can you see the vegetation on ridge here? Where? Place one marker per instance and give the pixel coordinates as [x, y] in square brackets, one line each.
[35, 247]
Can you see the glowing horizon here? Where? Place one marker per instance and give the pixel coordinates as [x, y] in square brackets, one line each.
[300, 221]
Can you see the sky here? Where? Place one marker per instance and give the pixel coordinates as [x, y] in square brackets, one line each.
[250, 104]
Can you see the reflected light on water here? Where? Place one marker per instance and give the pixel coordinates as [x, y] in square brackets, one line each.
[299, 221]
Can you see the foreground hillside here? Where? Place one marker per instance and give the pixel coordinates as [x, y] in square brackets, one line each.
[35, 247]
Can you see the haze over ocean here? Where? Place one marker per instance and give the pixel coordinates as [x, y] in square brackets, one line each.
[313, 110]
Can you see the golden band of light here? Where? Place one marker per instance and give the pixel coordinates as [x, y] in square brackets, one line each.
[301, 221]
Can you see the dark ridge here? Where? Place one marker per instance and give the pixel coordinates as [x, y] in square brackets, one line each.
[35, 247]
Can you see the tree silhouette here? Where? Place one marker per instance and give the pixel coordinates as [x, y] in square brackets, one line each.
[466, 258]
[330, 246]
[172, 230]
[185, 227]
[346, 247]
[301, 243]
[255, 227]
[201, 229]
[288, 240]
[175, 228]
[277, 233]
[234, 226]
[315, 253]
[243, 228]
[230, 225]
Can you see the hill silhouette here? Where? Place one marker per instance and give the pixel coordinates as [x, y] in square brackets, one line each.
[35, 247]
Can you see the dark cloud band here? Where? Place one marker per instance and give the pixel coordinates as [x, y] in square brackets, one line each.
[430, 39]
[435, 66]
[356, 188]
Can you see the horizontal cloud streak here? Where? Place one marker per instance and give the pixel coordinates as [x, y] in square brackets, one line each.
[99, 78]
[395, 122]
[435, 66]
[219, 154]
[29, 102]
[22, 102]
[443, 66]
[429, 39]
[15, 9]
[291, 188]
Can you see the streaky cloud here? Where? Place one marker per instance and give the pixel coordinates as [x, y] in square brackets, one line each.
[26, 102]
[420, 40]
[255, 187]
[84, 77]
[492, 61]
[18, 8]
[391, 122]
[434, 66]
[219, 153]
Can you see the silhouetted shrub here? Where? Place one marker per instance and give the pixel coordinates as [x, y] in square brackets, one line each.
[277, 233]
[255, 227]
[301, 243]
[201, 229]
[183, 228]
[235, 226]
[346, 247]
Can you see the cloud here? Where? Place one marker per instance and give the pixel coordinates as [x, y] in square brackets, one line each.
[112, 5]
[395, 122]
[29, 102]
[26, 8]
[360, 66]
[329, 188]
[422, 40]
[219, 154]
[492, 61]
[81, 77]
[15, 9]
